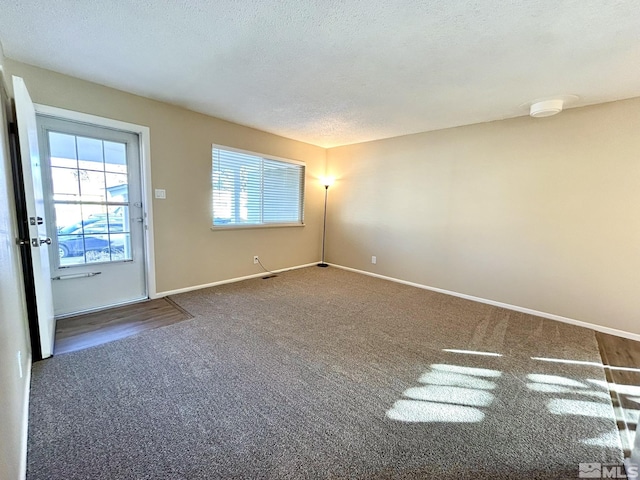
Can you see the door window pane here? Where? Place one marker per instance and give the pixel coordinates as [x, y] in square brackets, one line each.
[117, 188]
[115, 157]
[96, 248]
[120, 246]
[70, 249]
[93, 212]
[90, 153]
[92, 186]
[65, 183]
[63, 150]
[66, 216]
[119, 217]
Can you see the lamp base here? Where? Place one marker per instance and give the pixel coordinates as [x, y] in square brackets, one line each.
[323, 265]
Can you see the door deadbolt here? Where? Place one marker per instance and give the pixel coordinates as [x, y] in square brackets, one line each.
[36, 242]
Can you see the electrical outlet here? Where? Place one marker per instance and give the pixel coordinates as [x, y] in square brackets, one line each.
[255, 260]
[161, 193]
[373, 259]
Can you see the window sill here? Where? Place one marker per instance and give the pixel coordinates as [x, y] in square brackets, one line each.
[249, 227]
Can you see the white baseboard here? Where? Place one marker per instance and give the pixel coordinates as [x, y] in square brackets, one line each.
[230, 280]
[550, 316]
[24, 434]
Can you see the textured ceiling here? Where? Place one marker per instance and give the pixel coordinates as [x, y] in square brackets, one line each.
[337, 72]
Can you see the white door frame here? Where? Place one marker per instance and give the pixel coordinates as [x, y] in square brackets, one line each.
[145, 164]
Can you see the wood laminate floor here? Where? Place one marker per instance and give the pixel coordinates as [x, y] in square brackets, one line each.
[91, 329]
[621, 358]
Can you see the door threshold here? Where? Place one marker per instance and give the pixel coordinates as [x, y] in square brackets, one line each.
[100, 309]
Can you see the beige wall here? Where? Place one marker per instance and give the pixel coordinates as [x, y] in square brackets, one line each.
[542, 214]
[187, 252]
[14, 336]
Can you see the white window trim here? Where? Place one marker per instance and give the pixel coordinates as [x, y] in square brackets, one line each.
[258, 154]
[216, 228]
[248, 227]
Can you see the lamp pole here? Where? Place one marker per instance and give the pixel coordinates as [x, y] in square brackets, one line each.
[324, 225]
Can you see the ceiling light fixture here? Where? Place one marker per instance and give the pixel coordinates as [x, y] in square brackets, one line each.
[546, 107]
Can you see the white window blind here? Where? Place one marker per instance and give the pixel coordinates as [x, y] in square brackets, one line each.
[253, 190]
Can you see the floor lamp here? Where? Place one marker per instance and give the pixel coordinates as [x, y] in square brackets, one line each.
[327, 181]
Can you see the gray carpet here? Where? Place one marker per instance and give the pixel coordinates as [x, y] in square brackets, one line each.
[323, 373]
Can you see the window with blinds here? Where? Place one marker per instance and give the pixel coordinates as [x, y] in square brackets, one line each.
[254, 190]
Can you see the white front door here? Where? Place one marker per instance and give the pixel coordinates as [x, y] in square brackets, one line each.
[38, 242]
[94, 198]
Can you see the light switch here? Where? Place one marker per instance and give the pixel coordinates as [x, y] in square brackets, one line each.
[161, 193]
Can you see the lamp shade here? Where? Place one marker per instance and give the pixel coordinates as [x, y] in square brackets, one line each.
[327, 181]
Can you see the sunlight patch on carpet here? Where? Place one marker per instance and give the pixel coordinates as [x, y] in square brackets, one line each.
[419, 411]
